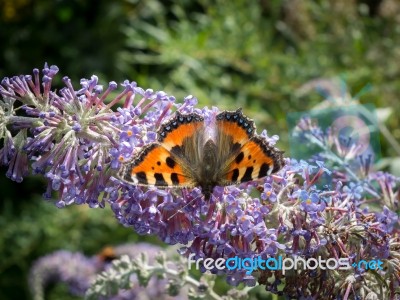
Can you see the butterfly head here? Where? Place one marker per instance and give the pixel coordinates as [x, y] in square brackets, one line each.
[207, 192]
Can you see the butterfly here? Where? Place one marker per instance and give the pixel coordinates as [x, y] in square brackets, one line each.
[190, 153]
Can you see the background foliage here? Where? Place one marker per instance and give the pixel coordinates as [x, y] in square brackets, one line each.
[254, 54]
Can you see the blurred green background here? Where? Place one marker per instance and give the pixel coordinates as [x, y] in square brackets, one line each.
[253, 54]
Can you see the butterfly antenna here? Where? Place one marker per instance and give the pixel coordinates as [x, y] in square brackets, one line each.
[181, 209]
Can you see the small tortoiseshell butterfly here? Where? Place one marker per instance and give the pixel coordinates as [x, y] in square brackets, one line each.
[190, 153]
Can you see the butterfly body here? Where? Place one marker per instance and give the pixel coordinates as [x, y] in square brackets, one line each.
[190, 153]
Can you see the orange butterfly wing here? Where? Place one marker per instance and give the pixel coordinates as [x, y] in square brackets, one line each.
[255, 160]
[156, 166]
[163, 163]
[250, 156]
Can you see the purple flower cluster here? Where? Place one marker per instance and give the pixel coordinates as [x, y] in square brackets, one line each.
[74, 269]
[77, 272]
[71, 137]
[78, 143]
